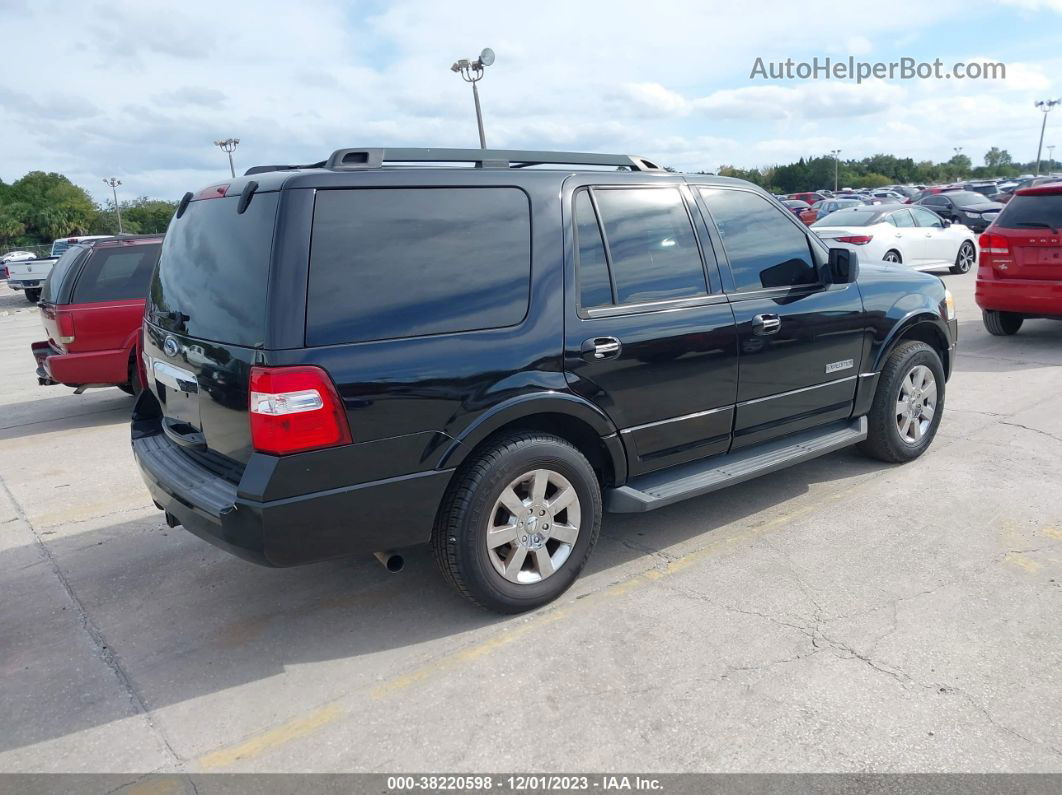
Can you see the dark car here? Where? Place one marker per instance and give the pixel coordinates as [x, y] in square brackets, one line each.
[352, 357]
[963, 207]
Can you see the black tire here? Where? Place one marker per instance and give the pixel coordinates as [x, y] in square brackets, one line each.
[896, 256]
[1001, 324]
[963, 264]
[883, 440]
[132, 386]
[33, 295]
[459, 539]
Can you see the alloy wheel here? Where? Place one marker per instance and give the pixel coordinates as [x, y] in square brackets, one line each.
[966, 257]
[916, 404]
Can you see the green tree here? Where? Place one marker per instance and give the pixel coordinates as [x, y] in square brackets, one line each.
[149, 215]
[996, 158]
[49, 206]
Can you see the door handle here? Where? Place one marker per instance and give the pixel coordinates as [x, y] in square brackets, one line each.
[597, 348]
[763, 325]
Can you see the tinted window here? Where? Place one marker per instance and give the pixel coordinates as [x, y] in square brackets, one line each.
[1032, 211]
[651, 244]
[902, 218]
[924, 217]
[388, 263]
[595, 287]
[965, 198]
[117, 272]
[938, 200]
[52, 291]
[214, 269]
[764, 247]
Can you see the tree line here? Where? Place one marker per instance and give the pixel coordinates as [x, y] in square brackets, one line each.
[879, 170]
[40, 207]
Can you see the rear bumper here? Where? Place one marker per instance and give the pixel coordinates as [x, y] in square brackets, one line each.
[76, 369]
[363, 518]
[1039, 297]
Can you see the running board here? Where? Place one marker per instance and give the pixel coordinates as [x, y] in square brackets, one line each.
[657, 489]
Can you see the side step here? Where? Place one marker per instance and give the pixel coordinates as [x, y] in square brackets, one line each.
[657, 489]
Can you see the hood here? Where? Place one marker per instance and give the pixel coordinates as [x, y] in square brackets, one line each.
[983, 207]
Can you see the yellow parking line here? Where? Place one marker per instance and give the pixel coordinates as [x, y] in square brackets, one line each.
[261, 743]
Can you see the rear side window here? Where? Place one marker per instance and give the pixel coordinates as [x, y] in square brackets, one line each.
[595, 286]
[652, 249]
[214, 269]
[764, 247]
[53, 291]
[1032, 212]
[397, 262]
[116, 273]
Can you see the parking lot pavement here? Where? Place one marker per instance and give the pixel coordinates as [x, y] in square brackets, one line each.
[842, 615]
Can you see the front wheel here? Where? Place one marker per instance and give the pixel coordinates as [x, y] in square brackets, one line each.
[518, 523]
[964, 260]
[1001, 324]
[908, 404]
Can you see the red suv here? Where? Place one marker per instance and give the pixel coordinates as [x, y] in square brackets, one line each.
[1020, 273]
[92, 306]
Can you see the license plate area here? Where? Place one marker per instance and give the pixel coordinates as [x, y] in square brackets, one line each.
[178, 393]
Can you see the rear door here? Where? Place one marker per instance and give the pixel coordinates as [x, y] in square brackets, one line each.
[206, 320]
[649, 335]
[1032, 225]
[800, 340]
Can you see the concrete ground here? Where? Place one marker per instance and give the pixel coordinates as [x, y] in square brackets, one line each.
[843, 615]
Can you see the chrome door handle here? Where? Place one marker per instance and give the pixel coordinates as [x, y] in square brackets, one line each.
[601, 348]
[766, 324]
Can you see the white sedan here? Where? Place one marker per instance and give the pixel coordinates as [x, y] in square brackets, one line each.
[901, 233]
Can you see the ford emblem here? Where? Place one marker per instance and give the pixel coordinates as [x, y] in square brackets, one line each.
[171, 347]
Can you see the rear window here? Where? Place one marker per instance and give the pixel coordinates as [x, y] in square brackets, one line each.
[116, 273]
[1030, 212]
[849, 217]
[214, 269]
[52, 291]
[389, 263]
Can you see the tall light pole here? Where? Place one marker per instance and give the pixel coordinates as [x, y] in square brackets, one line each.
[228, 145]
[1051, 154]
[114, 182]
[1045, 105]
[958, 151]
[472, 72]
[835, 153]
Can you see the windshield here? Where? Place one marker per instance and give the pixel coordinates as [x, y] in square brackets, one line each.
[964, 198]
[63, 267]
[211, 279]
[849, 217]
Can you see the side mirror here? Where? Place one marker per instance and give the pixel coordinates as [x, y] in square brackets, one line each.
[947, 223]
[843, 266]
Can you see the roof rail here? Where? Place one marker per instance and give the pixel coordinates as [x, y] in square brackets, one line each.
[361, 158]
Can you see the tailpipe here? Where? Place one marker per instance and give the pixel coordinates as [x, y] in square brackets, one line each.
[391, 561]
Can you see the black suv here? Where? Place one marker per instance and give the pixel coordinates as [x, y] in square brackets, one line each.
[360, 355]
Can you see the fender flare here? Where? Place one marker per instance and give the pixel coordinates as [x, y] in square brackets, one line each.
[522, 406]
[914, 318]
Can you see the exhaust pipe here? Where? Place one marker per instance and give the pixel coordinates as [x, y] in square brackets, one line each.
[391, 561]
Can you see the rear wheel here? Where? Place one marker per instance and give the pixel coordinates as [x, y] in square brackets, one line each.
[892, 256]
[518, 523]
[964, 260]
[1001, 324]
[33, 295]
[908, 404]
[132, 386]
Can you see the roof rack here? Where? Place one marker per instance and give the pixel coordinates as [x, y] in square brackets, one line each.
[364, 158]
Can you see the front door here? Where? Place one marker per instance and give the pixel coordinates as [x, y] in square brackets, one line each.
[800, 340]
[649, 335]
[939, 245]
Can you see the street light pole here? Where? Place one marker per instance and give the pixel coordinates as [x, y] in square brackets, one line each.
[958, 151]
[228, 145]
[114, 182]
[472, 72]
[1045, 105]
[1051, 154]
[835, 153]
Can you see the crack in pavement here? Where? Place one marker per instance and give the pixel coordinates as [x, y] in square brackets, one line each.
[1034, 430]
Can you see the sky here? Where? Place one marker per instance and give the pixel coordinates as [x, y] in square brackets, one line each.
[140, 90]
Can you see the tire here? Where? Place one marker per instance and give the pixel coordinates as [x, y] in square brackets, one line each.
[1001, 324]
[892, 255]
[904, 374]
[473, 504]
[964, 260]
[132, 386]
[33, 295]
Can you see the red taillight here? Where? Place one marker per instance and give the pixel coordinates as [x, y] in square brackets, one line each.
[294, 409]
[71, 240]
[994, 244]
[65, 322]
[213, 192]
[856, 240]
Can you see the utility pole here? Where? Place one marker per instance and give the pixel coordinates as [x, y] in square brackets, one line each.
[114, 182]
[1045, 105]
[835, 153]
[228, 145]
[472, 72]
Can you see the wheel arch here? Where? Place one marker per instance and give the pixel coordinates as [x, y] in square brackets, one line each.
[922, 326]
[568, 416]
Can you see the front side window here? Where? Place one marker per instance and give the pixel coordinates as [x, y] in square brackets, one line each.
[387, 263]
[764, 247]
[924, 217]
[651, 244]
[902, 218]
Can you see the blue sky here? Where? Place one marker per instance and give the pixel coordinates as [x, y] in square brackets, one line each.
[139, 90]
